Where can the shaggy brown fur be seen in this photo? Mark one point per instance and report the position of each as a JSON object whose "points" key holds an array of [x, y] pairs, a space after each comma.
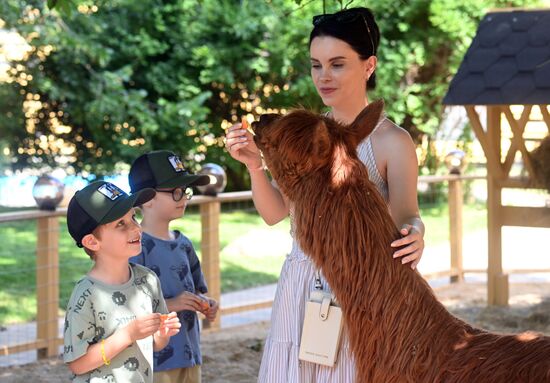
{"points": [[398, 330]]}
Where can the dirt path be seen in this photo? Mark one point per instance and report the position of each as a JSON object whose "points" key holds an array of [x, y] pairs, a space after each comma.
{"points": [[233, 355]]}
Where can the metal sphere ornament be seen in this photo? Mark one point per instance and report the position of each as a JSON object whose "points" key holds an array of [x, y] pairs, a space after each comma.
{"points": [[218, 179], [48, 192], [456, 161]]}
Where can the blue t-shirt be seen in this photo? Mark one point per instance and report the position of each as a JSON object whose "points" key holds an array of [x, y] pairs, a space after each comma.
{"points": [[178, 268]]}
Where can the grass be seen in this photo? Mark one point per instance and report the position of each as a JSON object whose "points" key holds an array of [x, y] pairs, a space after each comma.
{"points": [[436, 221], [243, 270], [238, 270]]}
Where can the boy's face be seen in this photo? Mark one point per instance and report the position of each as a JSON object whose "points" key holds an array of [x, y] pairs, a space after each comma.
{"points": [[164, 207], [120, 238]]}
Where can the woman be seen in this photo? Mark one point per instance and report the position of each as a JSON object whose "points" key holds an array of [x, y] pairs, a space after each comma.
{"points": [[343, 62]]}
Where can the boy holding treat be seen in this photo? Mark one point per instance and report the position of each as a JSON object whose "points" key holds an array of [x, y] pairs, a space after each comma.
{"points": [[113, 321], [171, 255]]}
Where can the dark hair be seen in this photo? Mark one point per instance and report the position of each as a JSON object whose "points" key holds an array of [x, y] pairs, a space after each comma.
{"points": [[355, 26]]}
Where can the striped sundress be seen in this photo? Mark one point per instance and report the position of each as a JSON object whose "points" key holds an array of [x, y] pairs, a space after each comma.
{"points": [[280, 363]]}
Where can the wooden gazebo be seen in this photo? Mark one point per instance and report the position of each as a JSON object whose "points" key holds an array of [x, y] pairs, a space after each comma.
{"points": [[506, 68]]}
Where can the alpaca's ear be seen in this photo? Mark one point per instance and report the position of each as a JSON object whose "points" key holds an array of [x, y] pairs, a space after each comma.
{"points": [[322, 140], [366, 121]]}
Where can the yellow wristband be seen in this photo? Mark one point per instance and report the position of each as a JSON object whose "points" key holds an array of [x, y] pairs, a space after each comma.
{"points": [[105, 360]]}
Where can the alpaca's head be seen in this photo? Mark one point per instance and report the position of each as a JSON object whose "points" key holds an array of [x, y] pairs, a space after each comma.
{"points": [[301, 143], [293, 146]]}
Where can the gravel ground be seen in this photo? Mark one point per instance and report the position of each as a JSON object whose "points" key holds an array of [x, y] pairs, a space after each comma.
{"points": [[233, 355]]}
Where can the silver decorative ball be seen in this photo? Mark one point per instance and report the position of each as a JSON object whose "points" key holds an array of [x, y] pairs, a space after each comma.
{"points": [[48, 192], [218, 179], [456, 161]]}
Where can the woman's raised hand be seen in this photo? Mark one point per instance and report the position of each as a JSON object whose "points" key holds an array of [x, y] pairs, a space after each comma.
{"points": [[240, 144]]}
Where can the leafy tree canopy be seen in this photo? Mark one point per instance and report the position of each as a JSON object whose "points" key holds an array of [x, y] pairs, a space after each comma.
{"points": [[104, 81]]}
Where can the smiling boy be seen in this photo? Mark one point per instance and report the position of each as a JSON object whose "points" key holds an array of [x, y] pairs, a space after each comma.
{"points": [[113, 320]]}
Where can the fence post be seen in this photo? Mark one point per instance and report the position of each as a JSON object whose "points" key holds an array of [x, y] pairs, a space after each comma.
{"points": [[455, 227], [210, 250], [47, 284]]}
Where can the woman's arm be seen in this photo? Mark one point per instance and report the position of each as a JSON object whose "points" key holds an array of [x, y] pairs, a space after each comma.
{"points": [[268, 200], [402, 178]]}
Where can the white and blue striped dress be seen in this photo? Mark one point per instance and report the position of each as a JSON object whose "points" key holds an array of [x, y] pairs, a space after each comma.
{"points": [[280, 363]]}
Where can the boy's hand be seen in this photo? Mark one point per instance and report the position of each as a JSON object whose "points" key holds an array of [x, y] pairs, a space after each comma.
{"points": [[142, 327], [187, 301], [170, 325], [212, 310]]}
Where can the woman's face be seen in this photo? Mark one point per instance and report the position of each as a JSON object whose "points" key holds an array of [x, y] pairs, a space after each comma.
{"points": [[339, 74]]}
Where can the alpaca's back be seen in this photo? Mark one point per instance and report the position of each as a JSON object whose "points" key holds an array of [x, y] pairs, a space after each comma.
{"points": [[349, 238], [393, 319]]}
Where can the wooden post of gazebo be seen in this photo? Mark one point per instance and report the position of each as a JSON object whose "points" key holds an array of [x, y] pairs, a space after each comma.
{"points": [[508, 63]]}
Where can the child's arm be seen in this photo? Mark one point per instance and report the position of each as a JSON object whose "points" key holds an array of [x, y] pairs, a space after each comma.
{"points": [[139, 328], [170, 325], [93, 358]]}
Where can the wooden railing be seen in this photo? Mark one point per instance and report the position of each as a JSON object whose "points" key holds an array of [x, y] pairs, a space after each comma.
{"points": [[47, 259]]}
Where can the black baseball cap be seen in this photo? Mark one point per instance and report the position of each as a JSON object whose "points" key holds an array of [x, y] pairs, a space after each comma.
{"points": [[162, 169], [99, 203]]}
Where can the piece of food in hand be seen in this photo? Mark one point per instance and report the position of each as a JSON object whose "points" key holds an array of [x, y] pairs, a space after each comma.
{"points": [[244, 123], [163, 318], [205, 305]]}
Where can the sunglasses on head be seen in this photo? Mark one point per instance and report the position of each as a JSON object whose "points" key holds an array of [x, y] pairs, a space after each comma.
{"points": [[344, 18]]}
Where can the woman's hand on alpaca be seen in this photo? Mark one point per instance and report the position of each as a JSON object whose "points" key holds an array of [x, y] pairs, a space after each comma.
{"points": [[412, 245], [240, 144]]}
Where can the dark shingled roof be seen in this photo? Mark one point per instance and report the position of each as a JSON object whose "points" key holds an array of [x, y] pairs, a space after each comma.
{"points": [[507, 63]]}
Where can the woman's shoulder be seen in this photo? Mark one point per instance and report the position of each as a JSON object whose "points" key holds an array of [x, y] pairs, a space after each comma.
{"points": [[392, 143], [388, 132]]}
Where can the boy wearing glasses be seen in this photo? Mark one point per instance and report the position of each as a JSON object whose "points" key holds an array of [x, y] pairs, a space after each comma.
{"points": [[171, 256]]}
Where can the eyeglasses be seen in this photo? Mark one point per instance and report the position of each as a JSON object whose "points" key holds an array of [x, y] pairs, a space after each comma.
{"points": [[178, 193], [345, 18]]}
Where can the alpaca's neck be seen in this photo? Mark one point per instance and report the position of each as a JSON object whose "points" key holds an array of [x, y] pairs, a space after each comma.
{"points": [[347, 230], [397, 329], [342, 167]]}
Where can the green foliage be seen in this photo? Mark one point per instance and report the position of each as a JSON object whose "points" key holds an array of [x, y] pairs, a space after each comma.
{"points": [[122, 76], [130, 76]]}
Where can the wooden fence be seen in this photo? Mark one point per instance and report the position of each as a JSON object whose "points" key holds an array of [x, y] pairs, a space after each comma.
{"points": [[48, 341]]}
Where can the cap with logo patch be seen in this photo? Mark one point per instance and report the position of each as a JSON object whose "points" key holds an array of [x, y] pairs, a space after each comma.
{"points": [[162, 169], [99, 203]]}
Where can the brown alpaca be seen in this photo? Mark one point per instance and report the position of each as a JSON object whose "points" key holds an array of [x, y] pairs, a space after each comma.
{"points": [[397, 329]]}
